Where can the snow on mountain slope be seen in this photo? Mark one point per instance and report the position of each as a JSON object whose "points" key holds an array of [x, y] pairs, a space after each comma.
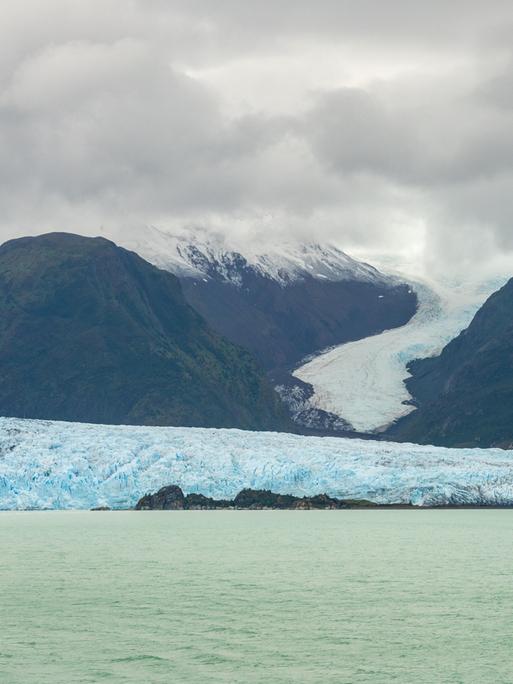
{"points": [[363, 381], [72, 465], [202, 254]]}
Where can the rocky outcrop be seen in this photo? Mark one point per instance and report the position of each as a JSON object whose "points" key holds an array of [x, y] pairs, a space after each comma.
{"points": [[281, 324], [166, 499], [172, 498]]}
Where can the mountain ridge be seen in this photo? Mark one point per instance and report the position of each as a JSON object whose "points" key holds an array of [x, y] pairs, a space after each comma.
{"points": [[281, 300], [92, 332], [201, 254]]}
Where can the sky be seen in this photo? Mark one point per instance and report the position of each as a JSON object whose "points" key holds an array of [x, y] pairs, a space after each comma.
{"points": [[385, 127]]}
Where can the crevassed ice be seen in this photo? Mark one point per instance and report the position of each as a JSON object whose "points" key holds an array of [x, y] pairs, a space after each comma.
{"points": [[363, 381], [69, 465]]}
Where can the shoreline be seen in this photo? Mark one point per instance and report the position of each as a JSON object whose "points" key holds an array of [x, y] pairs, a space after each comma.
{"points": [[375, 507], [171, 497]]}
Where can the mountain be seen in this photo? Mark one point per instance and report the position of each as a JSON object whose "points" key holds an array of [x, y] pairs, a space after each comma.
{"points": [[281, 302], [91, 332], [465, 395]]}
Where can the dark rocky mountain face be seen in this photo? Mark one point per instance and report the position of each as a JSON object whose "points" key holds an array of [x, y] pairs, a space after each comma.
{"points": [[91, 332], [281, 324], [283, 316], [283, 301], [465, 395]]}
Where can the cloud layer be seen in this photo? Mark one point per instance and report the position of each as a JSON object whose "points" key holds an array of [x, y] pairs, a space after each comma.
{"points": [[382, 126]]}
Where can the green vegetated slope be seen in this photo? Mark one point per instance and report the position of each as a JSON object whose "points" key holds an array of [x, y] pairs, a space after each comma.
{"points": [[91, 332]]}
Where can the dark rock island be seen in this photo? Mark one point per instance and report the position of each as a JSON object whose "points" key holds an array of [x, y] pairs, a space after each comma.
{"points": [[171, 498]]}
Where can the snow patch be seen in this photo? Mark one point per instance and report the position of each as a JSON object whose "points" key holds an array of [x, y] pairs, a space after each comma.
{"points": [[203, 254]]}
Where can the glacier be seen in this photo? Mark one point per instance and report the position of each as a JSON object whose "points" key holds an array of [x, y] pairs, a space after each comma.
{"points": [[362, 382], [57, 465]]}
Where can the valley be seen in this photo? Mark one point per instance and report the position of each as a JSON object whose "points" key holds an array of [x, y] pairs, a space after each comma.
{"points": [[363, 382]]}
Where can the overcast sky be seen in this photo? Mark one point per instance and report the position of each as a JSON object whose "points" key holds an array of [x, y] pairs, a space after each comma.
{"points": [[384, 126]]}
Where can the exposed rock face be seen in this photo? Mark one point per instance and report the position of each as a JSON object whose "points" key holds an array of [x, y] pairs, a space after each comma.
{"points": [[172, 498], [169, 498], [296, 396], [91, 332], [251, 498], [285, 305], [281, 301], [282, 323], [465, 395]]}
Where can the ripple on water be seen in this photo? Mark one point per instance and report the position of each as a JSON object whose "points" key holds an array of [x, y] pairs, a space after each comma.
{"points": [[280, 597]]}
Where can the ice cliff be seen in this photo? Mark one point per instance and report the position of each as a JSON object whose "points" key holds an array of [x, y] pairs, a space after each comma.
{"points": [[68, 465]]}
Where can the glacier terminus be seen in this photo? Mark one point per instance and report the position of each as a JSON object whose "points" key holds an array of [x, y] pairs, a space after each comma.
{"points": [[58, 465]]}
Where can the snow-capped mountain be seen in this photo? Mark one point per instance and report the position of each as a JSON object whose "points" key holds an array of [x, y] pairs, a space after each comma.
{"points": [[281, 300], [202, 254]]}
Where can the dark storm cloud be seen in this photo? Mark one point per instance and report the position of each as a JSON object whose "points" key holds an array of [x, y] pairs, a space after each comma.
{"points": [[380, 125]]}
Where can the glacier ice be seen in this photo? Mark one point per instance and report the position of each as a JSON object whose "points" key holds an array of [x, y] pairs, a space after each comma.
{"points": [[56, 465], [363, 381]]}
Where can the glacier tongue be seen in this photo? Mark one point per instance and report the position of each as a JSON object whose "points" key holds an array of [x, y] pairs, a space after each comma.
{"points": [[362, 382], [68, 465]]}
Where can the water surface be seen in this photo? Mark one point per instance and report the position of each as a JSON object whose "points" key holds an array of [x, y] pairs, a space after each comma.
{"points": [[225, 596]]}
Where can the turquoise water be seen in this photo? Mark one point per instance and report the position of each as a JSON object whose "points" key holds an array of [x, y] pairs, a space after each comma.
{"points": [[232, 596]]}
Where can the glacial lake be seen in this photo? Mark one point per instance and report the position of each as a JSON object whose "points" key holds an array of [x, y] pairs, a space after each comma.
{"points": [[267, 596]]}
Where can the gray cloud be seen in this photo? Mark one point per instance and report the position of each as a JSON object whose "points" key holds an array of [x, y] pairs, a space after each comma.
{"points": [[383, 126]]}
